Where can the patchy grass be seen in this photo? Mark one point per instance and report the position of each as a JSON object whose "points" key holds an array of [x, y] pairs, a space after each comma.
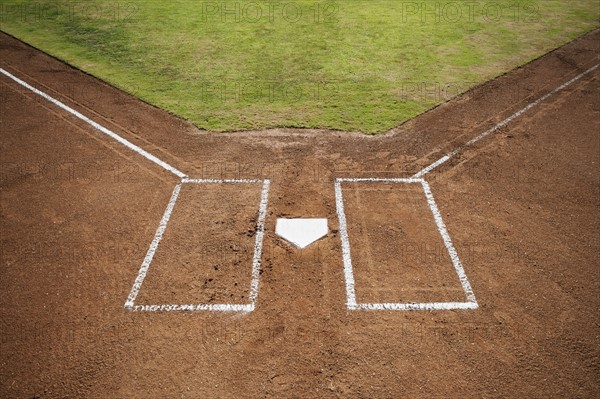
{"points": [[365, 65]]}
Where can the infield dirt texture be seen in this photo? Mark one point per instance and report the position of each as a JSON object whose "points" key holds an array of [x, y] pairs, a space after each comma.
{"points": [[80, 211]]}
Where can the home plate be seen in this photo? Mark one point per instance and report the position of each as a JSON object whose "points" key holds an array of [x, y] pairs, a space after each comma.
{"points": [[301, 232]]}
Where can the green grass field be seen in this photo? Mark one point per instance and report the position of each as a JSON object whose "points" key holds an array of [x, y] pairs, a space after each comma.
{"points": [[365, 65]]}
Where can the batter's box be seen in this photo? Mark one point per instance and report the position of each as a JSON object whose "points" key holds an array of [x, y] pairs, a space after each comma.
{"points": [[398, 237], [209, 252]]}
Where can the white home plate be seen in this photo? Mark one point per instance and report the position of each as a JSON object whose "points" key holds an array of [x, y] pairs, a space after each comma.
{"points": [[301, 232]]}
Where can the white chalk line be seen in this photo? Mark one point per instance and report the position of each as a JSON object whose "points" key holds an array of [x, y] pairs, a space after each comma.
{"points": [[225, 307], [351, 303], [464, 281], [244, 308], [502, 124], [379, 180], [416, 306], [258, 244], [97, 126], [153, 247], [346, 257], [218, 181]]}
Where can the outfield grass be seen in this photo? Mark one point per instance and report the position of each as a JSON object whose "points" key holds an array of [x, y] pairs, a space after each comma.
{"points": [[363, 65]]}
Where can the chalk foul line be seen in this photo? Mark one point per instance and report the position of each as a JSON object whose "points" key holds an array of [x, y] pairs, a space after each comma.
{"points": [[502, 124], [97, 126]]}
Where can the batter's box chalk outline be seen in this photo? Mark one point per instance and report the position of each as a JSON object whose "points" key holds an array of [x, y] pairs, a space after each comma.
{"points": [[258, 245], [351, 303]]}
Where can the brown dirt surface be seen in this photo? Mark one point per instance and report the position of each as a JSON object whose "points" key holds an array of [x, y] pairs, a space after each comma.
{"points": [[79, 211]]}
